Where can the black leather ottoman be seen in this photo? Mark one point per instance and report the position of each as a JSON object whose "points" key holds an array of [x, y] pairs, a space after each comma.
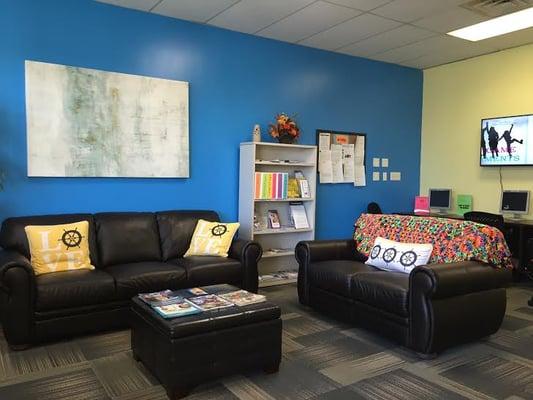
{"points": [[187, 351]]}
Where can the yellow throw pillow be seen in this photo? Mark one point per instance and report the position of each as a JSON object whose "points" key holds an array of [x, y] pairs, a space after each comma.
{"points": [[212, 239], [55, 248]]}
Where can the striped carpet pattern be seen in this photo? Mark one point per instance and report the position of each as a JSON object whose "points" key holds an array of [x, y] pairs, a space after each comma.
{"points": [[323, 359]]}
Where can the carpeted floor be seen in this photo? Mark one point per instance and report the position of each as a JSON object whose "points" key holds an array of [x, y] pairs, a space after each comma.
{"points": [[322, 360]]}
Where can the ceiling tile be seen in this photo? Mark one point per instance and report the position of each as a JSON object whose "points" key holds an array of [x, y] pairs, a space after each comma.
{"points": [[444, 46], [192, 10], [143, 5], [411, 10], [397, 37], [351, 31], [308, 21], [253, 15], [514, 39], [365, 5], [447, 21]]}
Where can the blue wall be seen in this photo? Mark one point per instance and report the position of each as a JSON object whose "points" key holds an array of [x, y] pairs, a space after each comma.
{"points": [[236, 80]]}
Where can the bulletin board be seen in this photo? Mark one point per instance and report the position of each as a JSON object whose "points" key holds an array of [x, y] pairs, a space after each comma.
{"points": [[341, 157]]}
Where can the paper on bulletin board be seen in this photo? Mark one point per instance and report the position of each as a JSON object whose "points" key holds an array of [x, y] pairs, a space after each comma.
{"points": [[348, 163], [336, 163], [325, 167], [359, 162], [323, 141]]}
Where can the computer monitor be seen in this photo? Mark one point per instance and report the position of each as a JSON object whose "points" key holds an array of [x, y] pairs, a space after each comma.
{"points": [[440, 199], [515, 201]]}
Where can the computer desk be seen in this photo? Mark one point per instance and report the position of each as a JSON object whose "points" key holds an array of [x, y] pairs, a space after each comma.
{"points": [[517, 233]]}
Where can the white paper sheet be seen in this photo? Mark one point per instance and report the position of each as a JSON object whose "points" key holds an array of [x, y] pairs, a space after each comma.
{"points": [[360, 176], [336, 163], [323, 141], [360, 150], [348, 162], [375, 162], [385, 162], [384, 176], [375, 176], [325, 167]]}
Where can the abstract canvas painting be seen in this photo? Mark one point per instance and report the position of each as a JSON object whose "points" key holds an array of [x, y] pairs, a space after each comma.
{"points": [[89, 123]]}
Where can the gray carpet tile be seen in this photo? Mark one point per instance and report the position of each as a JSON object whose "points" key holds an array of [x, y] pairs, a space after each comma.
{"points": [[77, 385], [323, 359]]}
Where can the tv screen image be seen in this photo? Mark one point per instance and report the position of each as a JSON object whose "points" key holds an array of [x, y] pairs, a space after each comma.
{"points": [[507, 141]]}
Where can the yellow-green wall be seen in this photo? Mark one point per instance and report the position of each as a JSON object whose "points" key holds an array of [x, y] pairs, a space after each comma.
{"points": [[456, 97]]}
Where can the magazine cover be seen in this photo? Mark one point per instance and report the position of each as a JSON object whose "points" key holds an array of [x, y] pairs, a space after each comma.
{"points": [[159, 298], [243, 297], [179, 308], [210, 302], [197, 291]]}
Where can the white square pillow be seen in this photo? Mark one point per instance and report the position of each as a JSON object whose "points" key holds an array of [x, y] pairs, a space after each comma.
{"points": [[389, 255]]}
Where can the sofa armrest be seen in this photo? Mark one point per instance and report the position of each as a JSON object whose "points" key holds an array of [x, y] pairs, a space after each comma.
{"points": [[17, 297], [451, 304], [310, 251], [248, 253], [447, 280]]}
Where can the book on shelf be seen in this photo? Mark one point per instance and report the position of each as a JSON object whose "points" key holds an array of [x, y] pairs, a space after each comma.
{"points": [[293, 188], [159, 298], [243, 297], [270, 185], [179, 308], [303, 184], [210, 302], [298, 215]]}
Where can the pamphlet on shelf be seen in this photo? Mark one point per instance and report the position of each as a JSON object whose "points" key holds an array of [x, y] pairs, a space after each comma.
{"points": [[298, 215], [273, 219], [243, 297], [305, 191], [210, 302], [178, 308]]}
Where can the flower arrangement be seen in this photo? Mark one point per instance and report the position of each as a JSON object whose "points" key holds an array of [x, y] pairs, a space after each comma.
{"points": [[284, 129]]}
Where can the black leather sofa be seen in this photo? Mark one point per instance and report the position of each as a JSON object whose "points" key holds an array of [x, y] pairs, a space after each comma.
{"points": [[132, 253], [433, 308]]}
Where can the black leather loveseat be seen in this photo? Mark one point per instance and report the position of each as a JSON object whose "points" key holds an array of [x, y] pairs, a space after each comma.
{"points": [[132, 253], [435, 307]]}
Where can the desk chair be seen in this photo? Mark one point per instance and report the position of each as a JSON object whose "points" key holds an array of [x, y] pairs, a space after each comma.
{"points": [[373, 208], [495, 220]]}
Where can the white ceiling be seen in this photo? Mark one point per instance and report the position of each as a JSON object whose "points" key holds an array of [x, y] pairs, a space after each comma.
{"points": [[406, 32]]}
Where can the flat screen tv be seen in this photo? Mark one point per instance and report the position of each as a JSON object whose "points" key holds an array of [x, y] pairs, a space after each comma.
{"points": [[507, 141]]}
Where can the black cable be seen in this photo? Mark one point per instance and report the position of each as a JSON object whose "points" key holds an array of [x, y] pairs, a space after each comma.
{"points": [[501, 181]]}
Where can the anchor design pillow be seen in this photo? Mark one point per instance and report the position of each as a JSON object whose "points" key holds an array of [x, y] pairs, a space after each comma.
{"points": [[212, 239], [55, 248], [389, 255]]}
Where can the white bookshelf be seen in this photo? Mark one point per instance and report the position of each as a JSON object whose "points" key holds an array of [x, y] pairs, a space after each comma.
{"points": [[263, 157]]}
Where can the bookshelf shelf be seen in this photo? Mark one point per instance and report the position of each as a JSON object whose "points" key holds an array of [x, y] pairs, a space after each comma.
{"points": [[281, 231], [271, 254], [286, 200], [257, 157], [284, 164]]}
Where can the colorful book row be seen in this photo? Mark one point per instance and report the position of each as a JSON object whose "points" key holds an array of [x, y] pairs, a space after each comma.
{"points": [[271, 185]]}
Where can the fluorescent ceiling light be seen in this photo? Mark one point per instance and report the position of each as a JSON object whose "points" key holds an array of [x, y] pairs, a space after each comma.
{"points": [[496, 26]]}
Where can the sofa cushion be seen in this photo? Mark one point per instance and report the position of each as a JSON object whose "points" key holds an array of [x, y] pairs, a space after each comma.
{"points": [[127, 238], [176, 229], [336, 275], [13, 235], [68, 289], [209, 270], [387, 291], [145, 277]]}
